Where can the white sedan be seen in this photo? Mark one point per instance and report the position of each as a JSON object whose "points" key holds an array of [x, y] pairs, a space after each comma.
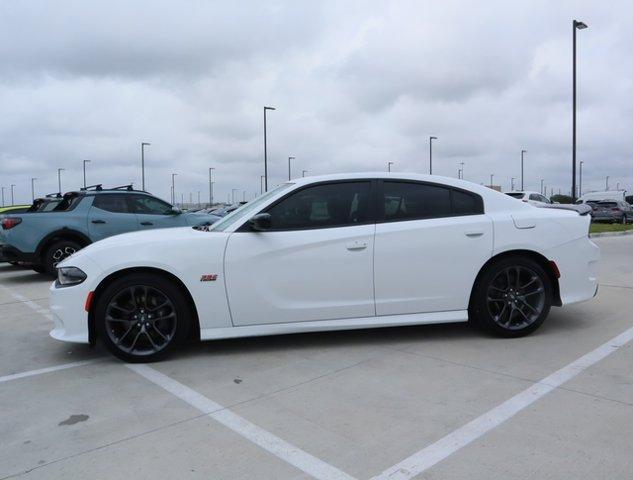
{"points": [[330, 253]]}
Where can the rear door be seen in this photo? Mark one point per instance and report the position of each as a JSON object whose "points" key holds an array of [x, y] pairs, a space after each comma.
{"points": [[152, 212], [431, 241], [110, 215]]}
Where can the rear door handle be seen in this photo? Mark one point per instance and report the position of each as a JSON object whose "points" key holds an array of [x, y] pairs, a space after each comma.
{"points": [[357, 245], [474, 233], [147, 223], [98, 221]]}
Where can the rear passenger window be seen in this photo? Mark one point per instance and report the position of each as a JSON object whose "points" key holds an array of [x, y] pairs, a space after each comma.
{"points": [[111, 203], [412, 201]]}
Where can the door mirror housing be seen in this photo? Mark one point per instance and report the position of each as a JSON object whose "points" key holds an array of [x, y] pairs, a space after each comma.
{"points": [[175, 211], [260, 222]]}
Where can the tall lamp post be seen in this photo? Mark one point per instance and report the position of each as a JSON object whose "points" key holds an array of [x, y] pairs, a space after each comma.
{"points": [[266, 150], [542, 180], [12, 187], [491, 177], [389, 164], [303, 173], [512, 184], [210, 186], [289, 158], [431, 154], [3, 196], [261, 184], [173, 188], [580, 179], [233, 190], [33, 189], [84, 166], [606, 187], [462, 170], [59, 179], [143, 145], [576, 25], [522, 152]]}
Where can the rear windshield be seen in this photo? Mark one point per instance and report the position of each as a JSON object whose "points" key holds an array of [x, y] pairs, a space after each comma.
{"points": [[515, 194], [607, 204]]}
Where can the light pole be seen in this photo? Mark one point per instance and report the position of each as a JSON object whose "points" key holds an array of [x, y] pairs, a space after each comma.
{"points": [[617, 186], [210, 186], [289, 158], [12, 187], [198, 198], [462, 164], [84, 165], [261, 184], [580, 180], [173, 188], [542, 180], [389, 164], [512, 184], [59, 178], [266, 150], [431, 154], [606, 186], [33, 189], [522, 152], [459, 173], [143, 145], [303, 173], [576, 25], [3, 196], [233, 190], [491, 177]]}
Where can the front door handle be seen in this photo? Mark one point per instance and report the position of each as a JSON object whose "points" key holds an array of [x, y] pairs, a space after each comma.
{"points": [[357, 245], [474, 233], [147, 223], [98, 221]]}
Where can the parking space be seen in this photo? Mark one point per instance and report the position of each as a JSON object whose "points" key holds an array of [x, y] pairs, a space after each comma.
{"points": [[432, 402]]}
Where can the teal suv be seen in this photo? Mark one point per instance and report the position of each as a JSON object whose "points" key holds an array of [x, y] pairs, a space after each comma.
{"points": [[43, 239]]}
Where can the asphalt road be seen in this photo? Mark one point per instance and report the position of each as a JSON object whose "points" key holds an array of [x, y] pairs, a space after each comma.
{"points": [[431, 402]]}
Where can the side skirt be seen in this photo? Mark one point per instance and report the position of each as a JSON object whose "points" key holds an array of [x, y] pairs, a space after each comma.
{"points": [[331, 325]]}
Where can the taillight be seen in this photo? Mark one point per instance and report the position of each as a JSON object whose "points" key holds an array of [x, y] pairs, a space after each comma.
{"points": [[615, 209], [10, 222]]}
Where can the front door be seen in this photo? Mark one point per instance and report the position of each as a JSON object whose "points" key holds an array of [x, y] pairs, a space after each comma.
{"points": [[314, 263], [109, 215], [431, 241], [152, 212]]}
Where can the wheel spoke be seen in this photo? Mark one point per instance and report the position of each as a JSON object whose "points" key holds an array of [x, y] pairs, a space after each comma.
{"points": [[151, 340], [125, 334], [523, 302], [135, 340], [159, 332], [538, 290]]}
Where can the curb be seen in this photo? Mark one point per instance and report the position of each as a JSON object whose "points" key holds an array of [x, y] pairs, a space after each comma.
{"points": [[611, 234]]}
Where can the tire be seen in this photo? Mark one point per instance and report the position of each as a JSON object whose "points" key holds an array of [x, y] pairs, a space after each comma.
{"points": [[129, 303], [510, 305], [57, 252]]}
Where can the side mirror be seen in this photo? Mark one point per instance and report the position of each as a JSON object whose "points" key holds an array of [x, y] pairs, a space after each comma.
{"points": [[175, 211], [260, 222]]}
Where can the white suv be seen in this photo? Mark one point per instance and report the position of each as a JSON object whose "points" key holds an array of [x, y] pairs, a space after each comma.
{"points": [[534, 198]]}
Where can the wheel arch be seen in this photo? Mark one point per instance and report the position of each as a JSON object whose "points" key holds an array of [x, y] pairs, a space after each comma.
{"points": [[537, 257], [61, 234], [194, 332]]}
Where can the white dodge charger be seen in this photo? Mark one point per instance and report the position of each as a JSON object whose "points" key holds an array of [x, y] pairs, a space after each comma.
{"points": [[329, 253]]}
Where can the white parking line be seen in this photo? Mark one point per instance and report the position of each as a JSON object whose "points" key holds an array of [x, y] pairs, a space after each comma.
{"points": [[433, 454], [39, 371], [29, 303], [285, 451]]}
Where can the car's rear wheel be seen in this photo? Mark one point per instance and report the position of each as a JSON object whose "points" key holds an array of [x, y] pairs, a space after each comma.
{"points": [[512, 297], [57, 252], [142, 317]]}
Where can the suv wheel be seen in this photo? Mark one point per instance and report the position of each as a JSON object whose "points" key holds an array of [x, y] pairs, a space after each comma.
{"points": [[57, 252], [512, 298]]}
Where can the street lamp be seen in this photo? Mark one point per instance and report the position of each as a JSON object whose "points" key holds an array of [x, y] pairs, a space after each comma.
{"points": [[59, 178], [303, 173], [580, 180], [173, 188], [606, 186], [266, 151], [33, 188], [12, 187], [459, 173], [210, 187], [431, 154], [261, 184], [389, 164], [84, 165], [542, 188], [491, 177], [233, 190], [576, 25], [512, 184], [3, 196], [462, 170], [143, 145], [522, 152], [289, 158]]}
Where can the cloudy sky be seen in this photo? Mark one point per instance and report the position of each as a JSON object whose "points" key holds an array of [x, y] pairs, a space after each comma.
{"points": [[355, 84]]}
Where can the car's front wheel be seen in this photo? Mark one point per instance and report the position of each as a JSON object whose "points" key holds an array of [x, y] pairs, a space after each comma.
{"points": [[142, 317], [512, 297]]}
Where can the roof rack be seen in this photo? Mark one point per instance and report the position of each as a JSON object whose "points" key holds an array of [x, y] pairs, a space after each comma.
{"points": [[98, 187], [54, 195], [128, 187]]}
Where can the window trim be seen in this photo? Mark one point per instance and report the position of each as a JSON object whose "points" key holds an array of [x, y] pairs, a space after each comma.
{"points": [[380, 212], [371, 214]]}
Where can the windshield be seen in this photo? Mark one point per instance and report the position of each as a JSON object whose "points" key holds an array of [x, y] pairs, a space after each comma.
{"points": [[515, 194], [247, 210]]}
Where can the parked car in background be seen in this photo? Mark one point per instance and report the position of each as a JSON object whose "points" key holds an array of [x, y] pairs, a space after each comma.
{"points": [[45, 204], [533, 198], [14, 209], [224, 211], [612, 211], [330, 253], [43, 239], [612, 195]]}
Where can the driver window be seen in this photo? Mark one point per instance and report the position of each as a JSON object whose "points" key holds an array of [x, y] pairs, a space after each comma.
{"points": [[150, 205], [323, 206]]}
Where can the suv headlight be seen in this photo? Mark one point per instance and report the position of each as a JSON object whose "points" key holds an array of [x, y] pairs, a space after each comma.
{"points": [[68, 276]]}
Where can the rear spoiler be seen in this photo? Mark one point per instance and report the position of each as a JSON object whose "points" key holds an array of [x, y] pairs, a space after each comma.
{"points": [[582, 209]]}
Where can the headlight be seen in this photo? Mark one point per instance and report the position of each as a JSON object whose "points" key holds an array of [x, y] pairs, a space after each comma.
{"points": [[68, 276]]}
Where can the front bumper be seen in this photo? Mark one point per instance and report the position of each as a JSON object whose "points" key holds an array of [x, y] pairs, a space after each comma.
{"points": [[69, 316]]}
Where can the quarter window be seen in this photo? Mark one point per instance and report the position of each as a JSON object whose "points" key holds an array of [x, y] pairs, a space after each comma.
{"points": [[111, 202], [323, 206]]}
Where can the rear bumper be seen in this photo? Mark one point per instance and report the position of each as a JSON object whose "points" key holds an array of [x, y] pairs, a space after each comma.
{"points": [[12, 254]]}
